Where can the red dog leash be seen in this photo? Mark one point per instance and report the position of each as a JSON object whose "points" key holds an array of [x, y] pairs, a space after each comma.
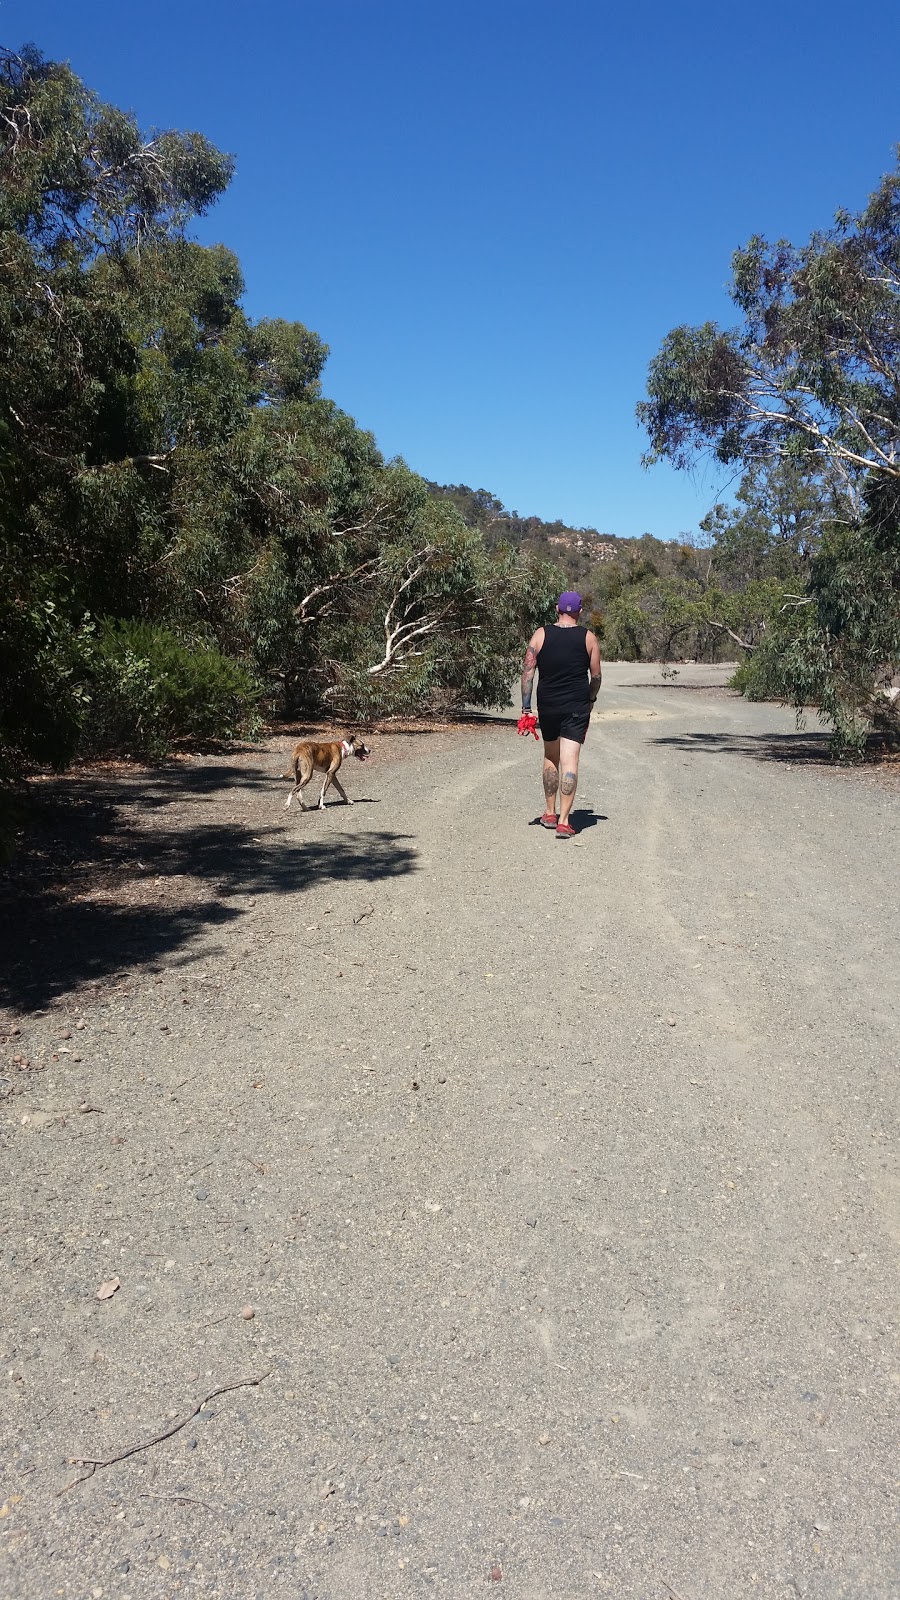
{"points": [[527, 724]]}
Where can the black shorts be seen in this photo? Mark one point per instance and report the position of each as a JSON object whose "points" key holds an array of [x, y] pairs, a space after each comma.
{"points": [[564, 724]]}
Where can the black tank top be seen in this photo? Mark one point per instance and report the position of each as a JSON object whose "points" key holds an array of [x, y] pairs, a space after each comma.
{"points": [[563, 663]]}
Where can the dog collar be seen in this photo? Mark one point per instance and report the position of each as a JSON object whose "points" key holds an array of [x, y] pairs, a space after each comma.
{"points": [[347, 748]]}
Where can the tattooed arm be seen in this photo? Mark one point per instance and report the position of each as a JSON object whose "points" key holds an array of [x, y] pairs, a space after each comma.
{"points": [[529, 667], [594, 666]]}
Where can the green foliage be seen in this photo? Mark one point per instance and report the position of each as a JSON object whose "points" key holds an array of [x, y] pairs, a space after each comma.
{"points": [[599, 565], [622, 630], [847, 653], [148, 690], [441, 620], [77, 175], [173, 468], [696, 386], [706, 601], [807, 390], [42, 693], [774, 527], [811, 373]]}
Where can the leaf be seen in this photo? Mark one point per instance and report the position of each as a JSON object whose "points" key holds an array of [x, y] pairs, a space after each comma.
{"points": [[107, 1289]]}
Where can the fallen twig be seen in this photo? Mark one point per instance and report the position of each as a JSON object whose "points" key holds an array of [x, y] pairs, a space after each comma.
{"points": [[367, 913], [147, 1444], [180, 1500]]}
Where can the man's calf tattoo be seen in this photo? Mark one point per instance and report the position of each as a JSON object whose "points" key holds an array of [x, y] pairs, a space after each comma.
{"points": [[569, 781], [551, 782]]}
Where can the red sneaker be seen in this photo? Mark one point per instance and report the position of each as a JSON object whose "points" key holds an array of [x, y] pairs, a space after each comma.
{"points": [[549, 819], [564, 831]]}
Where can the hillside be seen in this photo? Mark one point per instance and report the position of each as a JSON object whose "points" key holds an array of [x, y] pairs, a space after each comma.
{"points": [[594, 563]]}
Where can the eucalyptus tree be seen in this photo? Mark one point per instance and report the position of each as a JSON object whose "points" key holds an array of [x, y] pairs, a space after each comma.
{"points": [[180, 502], [83, 198], [811, 376]]}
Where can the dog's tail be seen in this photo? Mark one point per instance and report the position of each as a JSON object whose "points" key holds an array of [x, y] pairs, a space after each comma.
{"points": [[287, 774]]}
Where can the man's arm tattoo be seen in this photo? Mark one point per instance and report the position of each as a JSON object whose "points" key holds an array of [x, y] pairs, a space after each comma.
{"points": [[594, 689], [569, 782], [528, 671]]}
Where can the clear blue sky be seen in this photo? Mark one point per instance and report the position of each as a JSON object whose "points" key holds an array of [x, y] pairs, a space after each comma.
{"points": [[494, 210]]}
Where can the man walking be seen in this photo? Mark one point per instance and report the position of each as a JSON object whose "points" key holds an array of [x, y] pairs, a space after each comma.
{"points": [[566, 657]]}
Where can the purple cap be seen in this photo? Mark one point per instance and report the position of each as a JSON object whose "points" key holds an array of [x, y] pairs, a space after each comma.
{"points": [[569, 602]]}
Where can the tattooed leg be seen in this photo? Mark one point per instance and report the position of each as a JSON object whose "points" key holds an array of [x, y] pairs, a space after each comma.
{"points": [[570, 750], [551, 773]]}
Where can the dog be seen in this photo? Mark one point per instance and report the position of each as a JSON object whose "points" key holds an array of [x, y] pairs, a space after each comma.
{"points": [[311, 756]]}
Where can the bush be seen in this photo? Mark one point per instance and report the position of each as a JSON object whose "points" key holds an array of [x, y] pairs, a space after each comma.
{"points": [[42, 698], [41, 692], [149, 689], [623, 630], [838, 649], [762, 674]]}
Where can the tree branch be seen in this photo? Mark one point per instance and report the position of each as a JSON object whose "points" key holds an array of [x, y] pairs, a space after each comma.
{"points": [[723, 627], [332, 585]]}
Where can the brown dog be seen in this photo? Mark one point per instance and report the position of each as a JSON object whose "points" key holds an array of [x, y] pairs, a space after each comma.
{"points": [[310, 756]]}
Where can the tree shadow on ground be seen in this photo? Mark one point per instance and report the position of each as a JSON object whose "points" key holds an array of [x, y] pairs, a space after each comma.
{"points": [[106, 881], [127, 785], [790, 749]]}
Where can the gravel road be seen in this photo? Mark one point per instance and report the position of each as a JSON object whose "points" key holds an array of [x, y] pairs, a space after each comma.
{"points": [[559, 1177]]}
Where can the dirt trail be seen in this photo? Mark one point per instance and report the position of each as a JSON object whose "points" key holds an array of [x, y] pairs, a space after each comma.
{"points": [[560, 1176]]}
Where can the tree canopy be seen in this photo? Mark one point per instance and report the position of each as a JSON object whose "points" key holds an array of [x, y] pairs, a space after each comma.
{"points": [[811, 372], [811, 378], [177, 495]]}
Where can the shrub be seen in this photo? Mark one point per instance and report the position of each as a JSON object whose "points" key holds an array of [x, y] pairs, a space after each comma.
{"points": [[838, 649], [762, 673], [42, 698], [149, 689], [623, 630], [41, 695]]}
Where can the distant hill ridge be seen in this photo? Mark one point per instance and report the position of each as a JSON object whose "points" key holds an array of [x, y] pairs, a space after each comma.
{"points": [[579, 550]]}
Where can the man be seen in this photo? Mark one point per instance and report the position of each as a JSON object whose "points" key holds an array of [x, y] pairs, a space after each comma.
{"points": [[566, 657]]}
